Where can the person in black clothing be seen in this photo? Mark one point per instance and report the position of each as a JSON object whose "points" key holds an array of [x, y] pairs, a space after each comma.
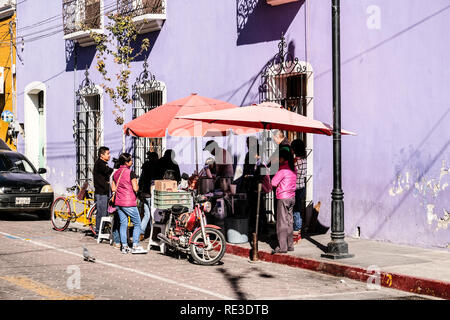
{"points": [[101, 184], [149, 172], [148, 175], [251, 177], [166, 163]]}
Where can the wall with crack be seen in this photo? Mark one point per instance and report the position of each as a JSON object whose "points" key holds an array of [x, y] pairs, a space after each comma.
{"points": [[395, 75]]}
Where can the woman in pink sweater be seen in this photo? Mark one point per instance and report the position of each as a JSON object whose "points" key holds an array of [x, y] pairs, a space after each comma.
{"points": [[285, 180]]}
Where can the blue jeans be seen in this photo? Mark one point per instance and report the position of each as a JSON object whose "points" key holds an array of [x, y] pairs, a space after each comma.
{"points": [[300, 196], [147, 216], [116, 226], [101, 201], [133, 213]]}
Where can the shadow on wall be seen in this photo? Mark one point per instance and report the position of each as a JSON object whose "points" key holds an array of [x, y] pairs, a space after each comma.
{"points": [[82, 56], [152, 36], [259, 22], [288, 56]]}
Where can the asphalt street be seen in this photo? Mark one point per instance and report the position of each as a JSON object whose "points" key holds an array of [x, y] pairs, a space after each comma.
{"points": [[39, 263]]}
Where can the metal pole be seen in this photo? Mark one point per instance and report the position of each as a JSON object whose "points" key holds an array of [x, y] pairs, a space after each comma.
{"points": [[254, 256], [337, 248], [196, 154]]}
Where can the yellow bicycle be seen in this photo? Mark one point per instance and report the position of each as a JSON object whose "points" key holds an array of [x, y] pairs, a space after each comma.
{"points": [[74, 207]]}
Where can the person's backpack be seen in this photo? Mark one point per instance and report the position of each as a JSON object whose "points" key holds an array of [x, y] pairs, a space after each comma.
{"points": [[169, 175]]}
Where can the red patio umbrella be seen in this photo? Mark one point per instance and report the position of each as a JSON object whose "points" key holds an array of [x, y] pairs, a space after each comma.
{"points": [[267, 115], [154, 123]]}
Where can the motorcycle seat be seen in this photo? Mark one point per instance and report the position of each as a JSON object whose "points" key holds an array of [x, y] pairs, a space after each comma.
{"points": [[178, 209]]}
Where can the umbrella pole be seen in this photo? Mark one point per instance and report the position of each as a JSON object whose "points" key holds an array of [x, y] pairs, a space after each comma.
{"points": [[196, 155], [254, 256], [255, 234]]}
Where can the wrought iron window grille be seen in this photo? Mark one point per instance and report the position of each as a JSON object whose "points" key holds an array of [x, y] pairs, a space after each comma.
{"points": [[147, 93], [137, 8], [81, 15], [88, 128], [284, 80]]}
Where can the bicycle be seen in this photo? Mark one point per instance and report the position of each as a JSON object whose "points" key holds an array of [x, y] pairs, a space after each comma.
{"points": [[64, 209]]}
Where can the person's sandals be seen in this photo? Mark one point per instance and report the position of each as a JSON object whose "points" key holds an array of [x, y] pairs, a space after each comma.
{"points": [[116, 245]]}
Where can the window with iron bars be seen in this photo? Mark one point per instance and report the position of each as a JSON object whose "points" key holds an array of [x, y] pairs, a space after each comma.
{"points": [[79, 15], [290, 90], [137, 8], [146, 102], [89, 138]]}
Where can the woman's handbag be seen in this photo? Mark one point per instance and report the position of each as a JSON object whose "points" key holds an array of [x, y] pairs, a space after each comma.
{"points": [[112, 199]]}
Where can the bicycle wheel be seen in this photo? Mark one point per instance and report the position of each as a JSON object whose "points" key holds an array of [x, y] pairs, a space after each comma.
{"points": [[91, 218], [60, 214], [212, 255]]}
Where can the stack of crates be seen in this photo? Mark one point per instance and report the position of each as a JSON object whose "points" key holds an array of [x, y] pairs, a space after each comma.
{"points": [[166, 199]]}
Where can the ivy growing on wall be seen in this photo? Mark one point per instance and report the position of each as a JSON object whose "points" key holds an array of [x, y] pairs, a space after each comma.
{"points": [[117, 43]]}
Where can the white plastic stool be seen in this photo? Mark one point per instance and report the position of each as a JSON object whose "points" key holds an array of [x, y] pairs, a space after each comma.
{"points": [[153, 240], [106, 236]]}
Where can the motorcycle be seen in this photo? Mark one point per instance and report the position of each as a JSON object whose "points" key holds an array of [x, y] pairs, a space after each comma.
{"points": [[189, 233]]}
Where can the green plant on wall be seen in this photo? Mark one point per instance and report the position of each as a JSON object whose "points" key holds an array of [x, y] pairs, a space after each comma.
{"points": [[117, 43]]}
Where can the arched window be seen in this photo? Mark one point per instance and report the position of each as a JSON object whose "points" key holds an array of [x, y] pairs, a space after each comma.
{"points": [[88, 128], [148, 94], [289, 82]]}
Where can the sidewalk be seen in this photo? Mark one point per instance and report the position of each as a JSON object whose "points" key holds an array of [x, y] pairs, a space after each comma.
{"points": [[411, 269]]}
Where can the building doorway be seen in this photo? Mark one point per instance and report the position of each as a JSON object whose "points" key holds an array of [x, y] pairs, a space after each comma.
{"points": [[35, 124]]}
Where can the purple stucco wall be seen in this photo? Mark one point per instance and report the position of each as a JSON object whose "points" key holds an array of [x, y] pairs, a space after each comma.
{"points": [[394, 95]]}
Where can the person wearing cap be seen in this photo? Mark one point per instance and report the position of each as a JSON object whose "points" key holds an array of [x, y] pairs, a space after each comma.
{"points": [[223, 159], [209, 169]]}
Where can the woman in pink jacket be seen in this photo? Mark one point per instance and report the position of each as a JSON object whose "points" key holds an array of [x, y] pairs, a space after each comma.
{"points": [[285, 180]]}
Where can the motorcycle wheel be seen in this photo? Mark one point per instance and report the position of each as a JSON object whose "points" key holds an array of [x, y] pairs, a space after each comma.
{"points": [[213, 255]]}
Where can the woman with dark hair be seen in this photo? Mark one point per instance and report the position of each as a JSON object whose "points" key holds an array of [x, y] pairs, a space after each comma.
{"points": [[298, 146], [285, 182], [125, 186]]}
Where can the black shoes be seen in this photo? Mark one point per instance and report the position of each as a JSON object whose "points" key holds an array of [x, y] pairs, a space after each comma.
{"points": [[278, 250]]}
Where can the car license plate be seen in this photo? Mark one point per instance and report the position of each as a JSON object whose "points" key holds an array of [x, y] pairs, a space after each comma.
{"points": [[22, 201]]}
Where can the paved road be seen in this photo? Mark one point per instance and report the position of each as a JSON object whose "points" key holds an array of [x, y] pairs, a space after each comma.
{"points": [[37, 262]]}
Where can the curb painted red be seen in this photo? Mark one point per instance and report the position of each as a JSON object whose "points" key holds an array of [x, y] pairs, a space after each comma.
{"points": [[411, 284]]}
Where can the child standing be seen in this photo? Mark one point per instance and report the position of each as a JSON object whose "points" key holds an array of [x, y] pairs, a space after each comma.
{"points": [[285, 182]]}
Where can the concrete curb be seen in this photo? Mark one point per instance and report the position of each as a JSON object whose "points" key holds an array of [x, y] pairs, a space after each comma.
{"points": [[411, 284]]}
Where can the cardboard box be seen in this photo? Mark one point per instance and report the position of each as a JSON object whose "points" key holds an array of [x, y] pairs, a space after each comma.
{"points": [[166, 185]]}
